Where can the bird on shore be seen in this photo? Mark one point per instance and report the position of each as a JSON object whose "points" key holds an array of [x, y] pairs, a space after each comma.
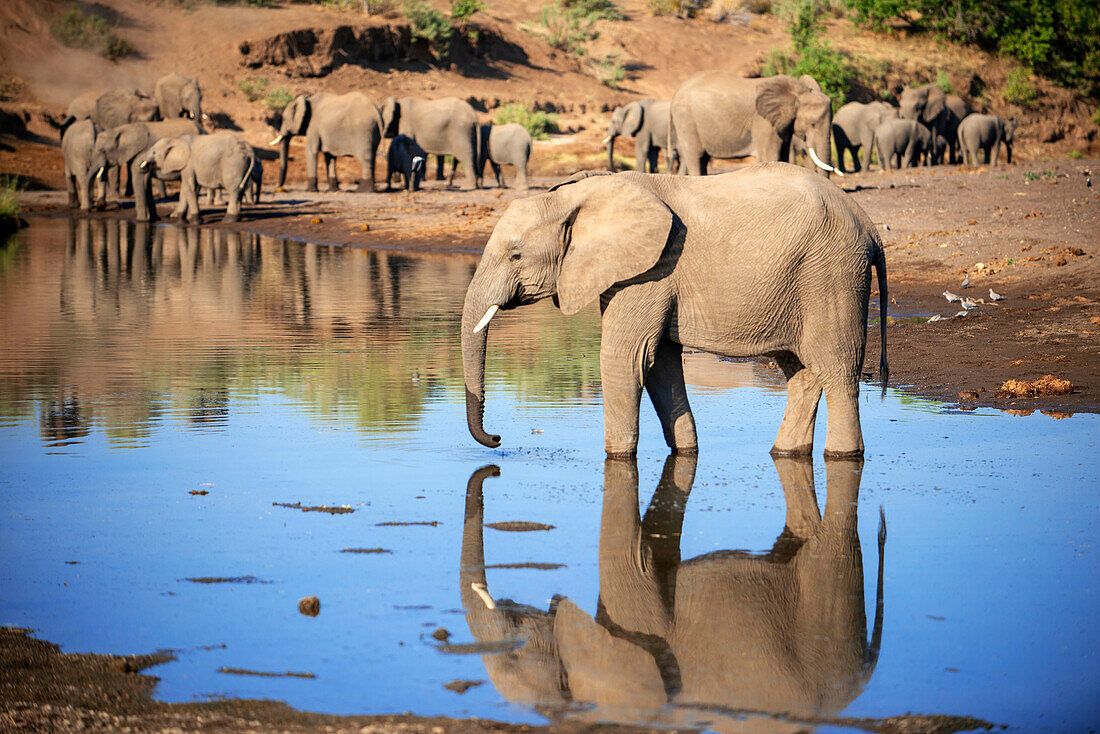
{"points": [[969, 304], [964, 312], [937, 317], [994, 296], [966, 282], [951, 297]]}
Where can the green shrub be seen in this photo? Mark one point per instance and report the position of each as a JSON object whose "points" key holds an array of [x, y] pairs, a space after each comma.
{"points": [[569, 24], [90, 32], [944, 82], [662, 7], [811, 54], [1075, 155], [1096, 117], [539, 124], [10, 186], [609, 71], [429, 24], [1019, 90], [595, 9], [253, 88], [377, 7], [278, 98], [463, 9]]}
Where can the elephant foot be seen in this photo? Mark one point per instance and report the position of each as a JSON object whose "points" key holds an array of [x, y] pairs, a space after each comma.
{"points": [[623, 455], [311, 184], [230, 218], [193, 219], [365, 187], [797, 451], [333, 185], [854, 455], [685, 450]]}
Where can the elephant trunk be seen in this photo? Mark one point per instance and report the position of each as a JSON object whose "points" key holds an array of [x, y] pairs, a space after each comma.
{"points": [[819, 144], [475, 310], [610, 140], [474, 591], [284, 155]]}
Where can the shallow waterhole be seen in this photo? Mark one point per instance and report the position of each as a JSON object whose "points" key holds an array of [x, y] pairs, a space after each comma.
{"points": [[172, 399]]}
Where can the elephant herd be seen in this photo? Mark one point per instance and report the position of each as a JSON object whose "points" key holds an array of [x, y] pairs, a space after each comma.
{"points": [[716, 114]]}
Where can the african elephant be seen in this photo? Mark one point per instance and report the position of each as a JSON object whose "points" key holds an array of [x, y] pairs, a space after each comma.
{"points": [[111, 108], [407, 158], [938, 111], [222, 159], [505, 145], [120, 146], [986, 133], [763, 642], [854, 127], [769, 260], [335, 125], [446, 126], [178, 96], [77, 144], [717, 114], [646, 121], [902, 143]]}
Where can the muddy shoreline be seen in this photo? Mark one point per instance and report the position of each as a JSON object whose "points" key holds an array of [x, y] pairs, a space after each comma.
{"points": [[1028, 232]]}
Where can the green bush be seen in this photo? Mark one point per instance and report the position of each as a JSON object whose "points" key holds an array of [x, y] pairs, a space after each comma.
{"points": [[595, 9], [811, 54], [431, 25], [90, 32], [1019, 90], [539, 124], [568, 25], [10, 186], [663, 7], [463, 9], [609, 71], [944, 82], [278, 99], [1075, 155], [253, 88], [1096, 117]]}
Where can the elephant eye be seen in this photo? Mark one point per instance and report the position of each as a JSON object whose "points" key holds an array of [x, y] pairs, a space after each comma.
{"points": [[514, 256]]}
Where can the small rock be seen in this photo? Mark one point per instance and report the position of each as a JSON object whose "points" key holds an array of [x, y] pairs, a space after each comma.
{"points": [[461, 686], [316, 220], [310, 606], [972, 221], [968, 395], [442, 634], [364, 227]]}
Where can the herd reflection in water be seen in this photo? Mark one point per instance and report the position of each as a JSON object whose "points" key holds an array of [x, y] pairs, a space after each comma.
{"points": [[730, 640]]}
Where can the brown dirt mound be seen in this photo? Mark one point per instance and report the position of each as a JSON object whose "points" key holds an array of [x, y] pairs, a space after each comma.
{"points": [[1045, 386]]}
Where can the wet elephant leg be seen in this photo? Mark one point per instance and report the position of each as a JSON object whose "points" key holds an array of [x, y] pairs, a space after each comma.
{"points": [[667, 391], [796, 432], [796, 474], [330, 170], [843, 436]]}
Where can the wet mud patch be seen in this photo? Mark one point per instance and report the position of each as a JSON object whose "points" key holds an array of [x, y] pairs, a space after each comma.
{"points": [[342, 510], [480, 648], [519, 526], [265, 673], [225, 580], [461, 686], [531, 564], [367, 551], [394, 524]]}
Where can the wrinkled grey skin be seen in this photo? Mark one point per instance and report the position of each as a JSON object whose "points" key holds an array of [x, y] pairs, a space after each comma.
{"points": [[941, 113], [505, 145], [754, 640], [335, 125], [222, 159], [77, 144], [121, 146], [111, 108], [646, 121], [767, 260], [985, 133], [854, 127], [903, 144], [447, 126], [718, 114], [408, 159], [178, 96]]}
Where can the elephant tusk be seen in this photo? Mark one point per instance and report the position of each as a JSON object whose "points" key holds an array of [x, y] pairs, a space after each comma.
{"points": [[821, 164], [276, 140], [481, 591], [485, 319], [99, 173], [606, 140], [144, 165]]}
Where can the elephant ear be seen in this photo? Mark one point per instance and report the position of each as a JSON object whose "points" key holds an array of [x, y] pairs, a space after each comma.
{"points": [[176, 155], [810, 84], [776, 101], [299, 113], [391, 116], [936, 104], [578, 176], [632, 122], [614, 229]]}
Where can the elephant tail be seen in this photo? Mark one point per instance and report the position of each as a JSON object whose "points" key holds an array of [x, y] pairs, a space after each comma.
{"points": [[875, 643], [252, 164], [883, 304]]}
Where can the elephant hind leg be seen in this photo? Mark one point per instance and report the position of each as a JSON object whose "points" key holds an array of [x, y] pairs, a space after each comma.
{"points": [[843, 437], [796, 432], [665, 384]]}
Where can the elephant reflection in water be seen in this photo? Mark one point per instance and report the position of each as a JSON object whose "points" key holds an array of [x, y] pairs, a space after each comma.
{"points": [[729, 640]]}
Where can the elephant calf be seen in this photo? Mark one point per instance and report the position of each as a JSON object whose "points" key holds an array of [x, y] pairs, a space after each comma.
{"points": [[986, 133], [902, 143], [769, 260], [77, 144], [505, 145], [406, 158], [854, 127], [221, 160]]}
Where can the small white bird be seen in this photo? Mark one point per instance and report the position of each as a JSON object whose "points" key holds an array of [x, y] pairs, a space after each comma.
{"points": [[969, 304], [951, 297], [966, 282], [994, 296], [964, 312], [937, 317]]}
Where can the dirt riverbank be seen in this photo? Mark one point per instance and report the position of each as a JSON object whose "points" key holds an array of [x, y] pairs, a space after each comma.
{"points": [[1028, 232]]}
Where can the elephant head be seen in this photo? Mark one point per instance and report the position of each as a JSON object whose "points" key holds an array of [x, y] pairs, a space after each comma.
{"points": [[295, 121], [391, 117], [798, 109], [1008, 136], [105, 151], [754, 642], [572, 243], [924, 104], [625, 120], [167, 157], [191, 100]]}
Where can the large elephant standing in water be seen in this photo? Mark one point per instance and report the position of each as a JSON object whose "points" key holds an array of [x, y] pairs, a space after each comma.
{"points": [[335, 125], [742, 641], [718, 114], [769, 260]]}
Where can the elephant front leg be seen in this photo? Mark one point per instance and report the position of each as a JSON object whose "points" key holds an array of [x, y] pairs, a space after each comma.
{"points": [[667, 391], [313, 148], [189, 196], [796, 433]]}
